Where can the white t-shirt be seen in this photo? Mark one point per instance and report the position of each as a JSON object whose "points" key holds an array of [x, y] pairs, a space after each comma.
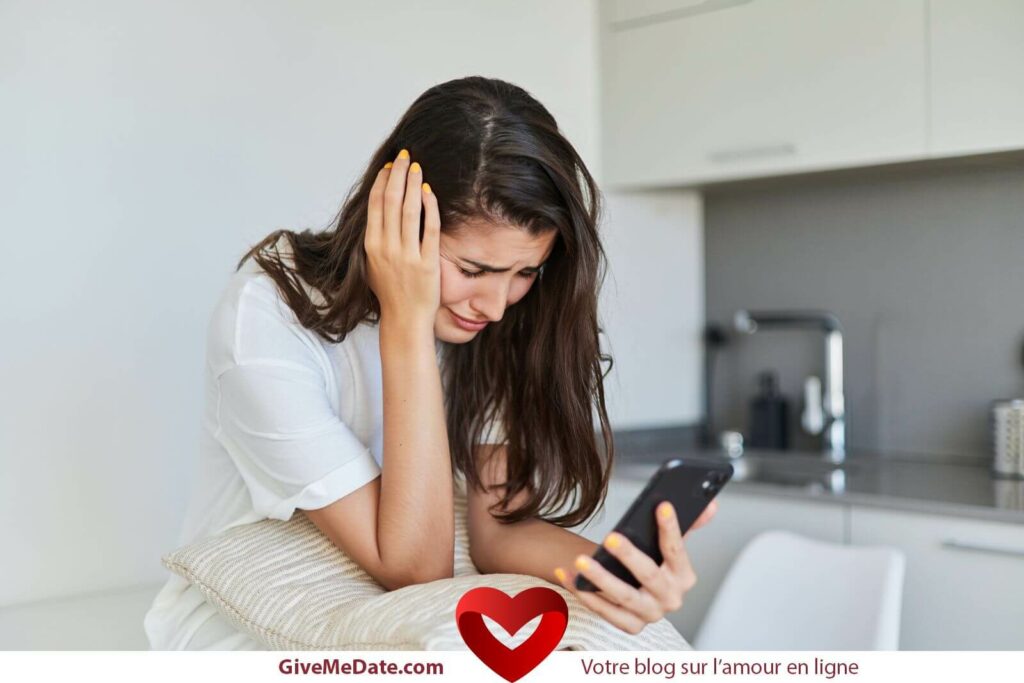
{"points": [[291, 421]]}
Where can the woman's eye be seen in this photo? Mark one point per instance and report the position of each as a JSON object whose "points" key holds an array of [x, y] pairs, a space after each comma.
{"points": [[524, 275]]}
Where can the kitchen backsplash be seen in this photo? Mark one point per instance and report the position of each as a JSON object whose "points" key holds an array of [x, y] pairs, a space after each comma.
{"points": [[924, 268]]}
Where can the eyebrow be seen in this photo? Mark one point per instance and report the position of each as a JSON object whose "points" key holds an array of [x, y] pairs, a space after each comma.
{"points": [[491, 269]]}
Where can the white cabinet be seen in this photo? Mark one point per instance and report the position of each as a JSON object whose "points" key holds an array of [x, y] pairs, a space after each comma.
{"points": [[722, 89], [977, 75], [964, 585]]}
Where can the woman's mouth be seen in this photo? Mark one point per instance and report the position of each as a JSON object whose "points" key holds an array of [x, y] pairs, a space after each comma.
{"points": [[467, 324]]}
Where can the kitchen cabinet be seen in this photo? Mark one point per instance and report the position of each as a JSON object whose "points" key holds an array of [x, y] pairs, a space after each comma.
{"points": [[964, 581], [741, 516], [964, 584], [722, 89], [976, 75]]}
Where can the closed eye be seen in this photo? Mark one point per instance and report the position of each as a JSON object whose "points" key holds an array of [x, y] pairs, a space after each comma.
{"points": [[527, 274]]}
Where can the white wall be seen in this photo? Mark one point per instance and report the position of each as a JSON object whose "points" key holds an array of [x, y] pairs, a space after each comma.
{"points": [[144, 146]]}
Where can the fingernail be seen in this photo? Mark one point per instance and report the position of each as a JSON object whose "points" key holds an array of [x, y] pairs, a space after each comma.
{"points": [[582, 564], [560, 574], [404, 154], [612, 541], [388, 165], [426, 188], [415, 168], [665, 510]]}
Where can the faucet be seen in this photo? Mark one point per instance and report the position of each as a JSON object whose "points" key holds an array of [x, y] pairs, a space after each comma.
{"points": [[824, 406]]}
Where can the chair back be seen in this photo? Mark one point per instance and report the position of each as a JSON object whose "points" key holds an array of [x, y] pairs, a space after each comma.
{"points": [[789, 592]]}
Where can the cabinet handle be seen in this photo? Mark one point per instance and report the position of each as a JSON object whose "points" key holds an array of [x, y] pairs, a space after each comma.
{"points": [[742, 153], [953, 544]]}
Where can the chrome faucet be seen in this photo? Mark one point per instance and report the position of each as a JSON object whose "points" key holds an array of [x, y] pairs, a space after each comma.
{"points": [[824, 405]]}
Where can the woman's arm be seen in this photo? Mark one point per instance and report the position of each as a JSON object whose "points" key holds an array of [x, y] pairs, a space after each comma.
{"points": [[416, 527], [396, 527], [411, 535], [531, 546], [415, 524]]}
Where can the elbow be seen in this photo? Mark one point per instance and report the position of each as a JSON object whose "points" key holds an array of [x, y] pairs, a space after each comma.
{"points": [[478, 552], [480, 562], [413, 570], [443, 568], [418, 575]]}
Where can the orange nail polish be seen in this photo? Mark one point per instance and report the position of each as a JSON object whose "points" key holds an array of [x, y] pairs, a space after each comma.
{"points": [[560, 574], [582, 564], [612, 541], [404, 154], [388, 165], [665, 510], [415, 168], [426, 188]]}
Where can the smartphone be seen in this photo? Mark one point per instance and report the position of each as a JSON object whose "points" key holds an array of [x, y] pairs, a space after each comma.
{"points": [[689, 484]]}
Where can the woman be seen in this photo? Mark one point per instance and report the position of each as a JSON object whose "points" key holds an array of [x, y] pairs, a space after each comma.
{"points": [[439, 329]]}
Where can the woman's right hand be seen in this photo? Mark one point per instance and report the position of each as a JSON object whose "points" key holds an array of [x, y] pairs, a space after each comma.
{"points": [[403, 273], [662, 587]]}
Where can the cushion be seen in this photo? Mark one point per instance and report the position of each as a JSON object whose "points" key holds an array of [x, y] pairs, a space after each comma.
{"points": [[291, 588]]}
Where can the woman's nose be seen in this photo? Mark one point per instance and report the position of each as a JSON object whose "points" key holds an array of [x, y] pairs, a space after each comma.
{"points": [[491, 301]]}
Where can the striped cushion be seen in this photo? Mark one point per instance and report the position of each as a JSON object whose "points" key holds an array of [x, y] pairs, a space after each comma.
{"points": [[287, 585]]}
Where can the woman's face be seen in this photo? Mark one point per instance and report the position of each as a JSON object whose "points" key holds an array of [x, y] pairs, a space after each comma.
{"points": [[469, 290]]}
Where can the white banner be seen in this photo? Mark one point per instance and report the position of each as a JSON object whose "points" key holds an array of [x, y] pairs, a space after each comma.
{"points": [[564, 667]]}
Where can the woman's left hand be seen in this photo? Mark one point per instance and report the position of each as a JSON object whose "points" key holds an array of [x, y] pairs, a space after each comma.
{"points": [[662, 588]]}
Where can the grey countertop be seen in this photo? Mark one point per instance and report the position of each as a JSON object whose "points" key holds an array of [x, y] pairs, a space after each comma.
{"points": [[953, 486]]}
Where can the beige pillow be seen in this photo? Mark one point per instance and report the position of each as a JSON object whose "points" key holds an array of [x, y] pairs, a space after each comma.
{"points": [[288, 586]]}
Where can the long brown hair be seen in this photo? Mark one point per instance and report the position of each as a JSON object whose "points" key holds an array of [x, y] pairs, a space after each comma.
{"points": [[491, 152]]}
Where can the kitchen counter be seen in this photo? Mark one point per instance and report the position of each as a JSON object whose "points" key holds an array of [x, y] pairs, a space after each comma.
{"points": [[962, 487]]}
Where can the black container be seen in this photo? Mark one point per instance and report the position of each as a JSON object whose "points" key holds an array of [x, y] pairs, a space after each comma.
{"points": [[769, 415]]}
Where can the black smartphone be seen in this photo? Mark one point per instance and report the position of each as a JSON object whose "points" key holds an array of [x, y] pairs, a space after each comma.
{"points": [[689, 484]]}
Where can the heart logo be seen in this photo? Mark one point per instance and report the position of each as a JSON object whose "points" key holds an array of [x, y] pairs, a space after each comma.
{"points": [[512, 613]]}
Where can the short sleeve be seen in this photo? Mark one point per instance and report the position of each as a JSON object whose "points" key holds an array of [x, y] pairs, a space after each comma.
{"points": [[292, 449]]}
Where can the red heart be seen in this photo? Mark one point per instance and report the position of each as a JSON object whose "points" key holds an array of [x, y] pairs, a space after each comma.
{"points": [[512, 614]]}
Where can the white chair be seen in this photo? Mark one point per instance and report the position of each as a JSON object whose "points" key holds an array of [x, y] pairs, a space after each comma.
{"points": [[788, 592]]}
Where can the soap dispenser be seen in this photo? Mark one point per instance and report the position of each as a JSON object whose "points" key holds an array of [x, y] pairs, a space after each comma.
{"points": [[769, 415]]}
